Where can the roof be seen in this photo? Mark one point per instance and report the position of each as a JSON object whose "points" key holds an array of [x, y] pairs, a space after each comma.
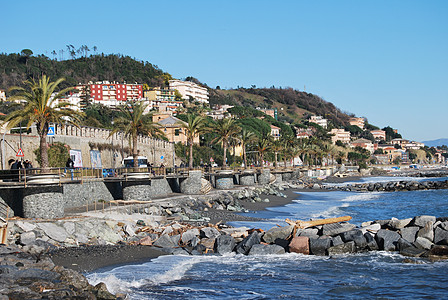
{"points": [[362, 141], [170, 121]]}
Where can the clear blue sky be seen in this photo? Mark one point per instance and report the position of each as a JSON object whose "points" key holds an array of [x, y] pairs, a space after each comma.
{"points": [[385, 60]]}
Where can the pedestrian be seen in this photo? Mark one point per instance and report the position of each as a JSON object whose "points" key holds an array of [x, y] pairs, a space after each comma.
{"points": [[15, 165], [27, 164], [70, 165]]}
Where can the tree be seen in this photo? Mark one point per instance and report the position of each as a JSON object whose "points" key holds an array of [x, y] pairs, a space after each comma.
{"points": [[246, 137], [42, 108], [134, 123], [225, 129], [193, 127], [263, 145], [277, 146]]}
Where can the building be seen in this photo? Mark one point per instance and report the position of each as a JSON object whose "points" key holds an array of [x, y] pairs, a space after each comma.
{"points": [[340, 135], [360, 122], [305, 133], [172, 128], [219, 112], [160, 94], [275, 132], [113, 94], [413, 145], [400, 142], [379, 135], [319, 120], [365, 144], [2, 96], [190, 89], [269, 112]]}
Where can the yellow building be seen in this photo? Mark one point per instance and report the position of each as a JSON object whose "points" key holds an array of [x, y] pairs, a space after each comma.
{"points": [[172, 128]]}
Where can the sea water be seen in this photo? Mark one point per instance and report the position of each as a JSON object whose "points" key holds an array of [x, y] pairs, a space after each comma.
{"points": [[379, 274]]}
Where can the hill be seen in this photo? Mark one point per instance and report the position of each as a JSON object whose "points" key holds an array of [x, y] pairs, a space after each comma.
{"points": [[435, 143], [16, 68]]}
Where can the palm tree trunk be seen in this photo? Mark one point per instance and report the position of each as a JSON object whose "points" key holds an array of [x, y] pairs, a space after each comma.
{"points": [[190, 164], [244, 156], [134, 152], [44, 151], [224, 163], [276, 157]]}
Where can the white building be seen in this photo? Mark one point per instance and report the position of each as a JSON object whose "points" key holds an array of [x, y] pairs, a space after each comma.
{"points": [[340, 135], [319, 120], [190, 89], [2, 96]]}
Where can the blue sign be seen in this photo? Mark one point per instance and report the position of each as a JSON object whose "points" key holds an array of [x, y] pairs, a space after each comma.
{"points": [[161, 157], [50, 131]]}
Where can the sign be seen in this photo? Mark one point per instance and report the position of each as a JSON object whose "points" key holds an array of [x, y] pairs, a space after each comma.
{"points": [[76, 156], [211, 159], [50, 131], [161, 157], [20, 153]]}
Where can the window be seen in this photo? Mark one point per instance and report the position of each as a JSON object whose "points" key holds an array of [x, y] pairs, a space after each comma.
{"points": [[176, 132]]}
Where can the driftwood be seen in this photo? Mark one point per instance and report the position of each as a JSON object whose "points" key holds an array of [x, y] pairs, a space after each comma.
{"points": [[305, 224]]}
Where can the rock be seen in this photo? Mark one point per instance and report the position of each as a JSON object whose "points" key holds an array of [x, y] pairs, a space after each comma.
{"points": [[101, 292], [372, 245], [300, 244], [337, 240], [316, 186], [398, 224], [309, 232], [387, 240], [209, 232], [439, 251], [245, 246], [69, 227], [372, 228], [194, 241], [25, 226], [440, 235], [277, 233], [207, 243], [336, 228], [412, 252], [54, 231], [261, 249], [27, 238], [356, 236], [320, 246], [189, 235], [146, 241], [168, 230], [348, 247], [129, 230], [409, 233], [402, 244], [423, 243], [224, 244], [444, 225], [164, 241], [422, 220], [427, 232]]}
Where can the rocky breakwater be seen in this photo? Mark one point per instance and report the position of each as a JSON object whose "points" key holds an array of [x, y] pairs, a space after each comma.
{"points": [[27, 276], [392, 186]]}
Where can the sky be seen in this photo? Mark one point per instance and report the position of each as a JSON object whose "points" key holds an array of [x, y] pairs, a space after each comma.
{"points": [[383, 60]]}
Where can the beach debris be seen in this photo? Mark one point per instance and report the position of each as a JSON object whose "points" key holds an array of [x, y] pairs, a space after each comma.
{"points": [[305, 224]]}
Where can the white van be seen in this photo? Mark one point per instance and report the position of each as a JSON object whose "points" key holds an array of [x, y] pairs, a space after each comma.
{"points": [[128, 162]]}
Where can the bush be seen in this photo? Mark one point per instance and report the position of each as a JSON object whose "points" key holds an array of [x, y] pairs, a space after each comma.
{"points": [[57, 155]]}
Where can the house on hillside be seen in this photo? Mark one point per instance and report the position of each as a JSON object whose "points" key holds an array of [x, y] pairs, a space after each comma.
{"points": [[172, 128], [379, 135], [319, 120], [340, 135], [365, 144], [360, 122], [190, 89], [275, 132]]}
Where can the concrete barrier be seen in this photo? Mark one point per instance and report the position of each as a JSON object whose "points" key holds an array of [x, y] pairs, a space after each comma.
{"points": [[46, 202]]}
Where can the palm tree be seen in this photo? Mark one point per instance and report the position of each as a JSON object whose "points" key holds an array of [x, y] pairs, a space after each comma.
{"points": [[225, 129], [246, 137], [277, 146], [134, 123], [263, 145], [195, 125], [42, 107]]}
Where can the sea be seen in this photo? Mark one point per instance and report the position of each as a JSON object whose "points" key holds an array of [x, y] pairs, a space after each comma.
{"points": [[373, 275]]}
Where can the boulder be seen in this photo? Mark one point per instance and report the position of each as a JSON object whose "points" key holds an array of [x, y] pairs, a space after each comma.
{"points": [[189, 235], [320, 246], [409, 233], [25, 226], [439, 251], [387, 240], [300, 244], [422, 220], [402, 244], [398, 224], [309, 232], [440, 235], [277, 233], [337, 240], [336, 228], [372, 228], [444, 225], [245, 246], [423, 243], [209, 232], [356, 236], [146, 241], [372, 245], [224, 244], [164, 241], [427, 232], [348, 247], [27, 238], [261, 249], [54, 231], [412, 252], [129, 230]]}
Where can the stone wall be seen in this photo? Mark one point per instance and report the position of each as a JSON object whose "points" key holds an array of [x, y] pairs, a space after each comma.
{"points": [[79, 139], [46, 202], [76, 195], [145, 190]]}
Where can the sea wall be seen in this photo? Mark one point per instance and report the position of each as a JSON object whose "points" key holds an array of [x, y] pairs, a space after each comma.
{"points": [[391, 186]]}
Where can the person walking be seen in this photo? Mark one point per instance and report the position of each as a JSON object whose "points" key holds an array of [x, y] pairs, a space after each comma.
{"points": [[70, 165]]}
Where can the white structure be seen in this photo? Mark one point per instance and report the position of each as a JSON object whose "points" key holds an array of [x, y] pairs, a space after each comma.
{"points": [[319, 120], [2, 96], [360, 122], [190, 89], [379, 134], [340, 135]]}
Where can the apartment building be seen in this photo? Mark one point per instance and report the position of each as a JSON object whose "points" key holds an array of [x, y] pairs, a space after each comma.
{"points": [[365, 144], [360, 122], [379, 135], [113, 93], [319, 120], [190, 89], [275, 132], [340, 135]]}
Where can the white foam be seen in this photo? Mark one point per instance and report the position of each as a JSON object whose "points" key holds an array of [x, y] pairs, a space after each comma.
{"points": [[114, 284]]}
